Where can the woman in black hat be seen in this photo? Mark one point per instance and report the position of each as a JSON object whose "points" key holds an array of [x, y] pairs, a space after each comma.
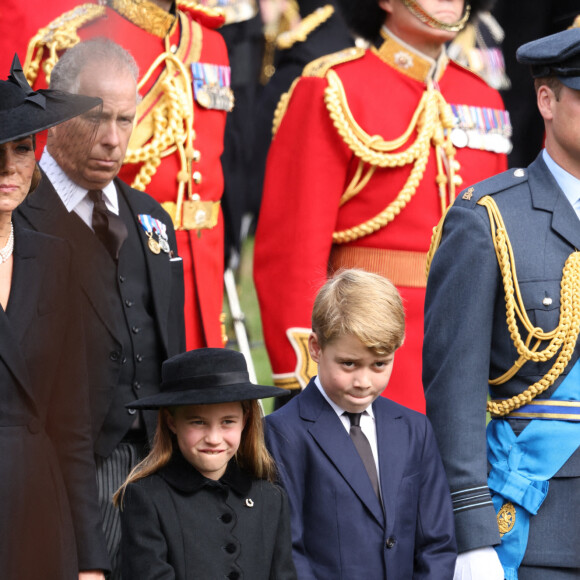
{"points": [[202, 504], [49, 517]]}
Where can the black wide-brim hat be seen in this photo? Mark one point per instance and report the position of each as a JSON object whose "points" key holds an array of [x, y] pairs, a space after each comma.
{"points": [[557, 55], [203, 377], [24, 112]]}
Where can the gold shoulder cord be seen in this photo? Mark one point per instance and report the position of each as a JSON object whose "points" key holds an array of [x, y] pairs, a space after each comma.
{"points": [[306, 27], [172, 125], [59, 35], [432, 116], [564, 336]]}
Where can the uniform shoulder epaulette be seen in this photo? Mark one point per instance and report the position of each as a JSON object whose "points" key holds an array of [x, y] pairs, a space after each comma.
{"points": [[307, 26], [206, 16], [316, 68], [59, 35], [501, 182], [320, 66]]}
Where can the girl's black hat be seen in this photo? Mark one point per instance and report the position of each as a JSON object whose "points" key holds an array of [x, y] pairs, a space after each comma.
{"points": [[205, 376]]}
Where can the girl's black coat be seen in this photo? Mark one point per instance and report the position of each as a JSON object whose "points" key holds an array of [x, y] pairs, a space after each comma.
{"points": [[179, 525]]}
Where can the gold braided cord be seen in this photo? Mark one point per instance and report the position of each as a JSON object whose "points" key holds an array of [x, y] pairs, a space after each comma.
{"points": [[435, 241], [563, 337], [59, 35], [211, 11], [306, 27], [172, 128], [281, 108], [432, 116]]}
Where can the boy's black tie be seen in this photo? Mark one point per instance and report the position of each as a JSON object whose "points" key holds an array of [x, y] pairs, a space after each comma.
{"points": [[109, 228], [364, 449]]}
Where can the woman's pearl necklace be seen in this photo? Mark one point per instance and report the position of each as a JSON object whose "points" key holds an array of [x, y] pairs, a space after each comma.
{"points": [[7, 250]]}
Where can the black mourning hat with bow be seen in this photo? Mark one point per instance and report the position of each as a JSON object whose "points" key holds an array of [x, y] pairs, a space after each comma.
{"points": [[203, 377], [24, 112]]}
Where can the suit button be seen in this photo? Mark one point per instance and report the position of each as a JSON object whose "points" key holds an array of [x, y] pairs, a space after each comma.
{"points": [[227, 518], [233, 575], [114, 355], [34, 426], [129, 303], [122, 279], [135, 330], [137, 385], [390, 543], [139, 357], [131, 411], [124, 360], [230, 548]]}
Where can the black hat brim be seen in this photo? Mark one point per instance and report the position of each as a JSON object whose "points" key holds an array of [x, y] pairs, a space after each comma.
{"points": [[31, 118], [209, 396]]}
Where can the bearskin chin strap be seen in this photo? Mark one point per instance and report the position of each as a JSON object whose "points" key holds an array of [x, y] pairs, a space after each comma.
{"points": [[420, 13]]}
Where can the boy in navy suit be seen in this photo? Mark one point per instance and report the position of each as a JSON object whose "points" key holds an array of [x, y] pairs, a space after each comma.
{"points": [[368, 494]]}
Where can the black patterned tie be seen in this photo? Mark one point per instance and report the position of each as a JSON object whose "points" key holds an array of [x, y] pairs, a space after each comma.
{"points": [[108, 227], [364, 449]]}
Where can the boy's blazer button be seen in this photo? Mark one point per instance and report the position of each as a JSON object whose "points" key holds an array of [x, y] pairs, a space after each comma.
{"points": [[390, 543], [227, 518], [230, 548]]}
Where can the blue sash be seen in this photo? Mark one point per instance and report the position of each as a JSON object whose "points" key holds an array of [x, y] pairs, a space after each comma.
{"points": [[522, 466]]}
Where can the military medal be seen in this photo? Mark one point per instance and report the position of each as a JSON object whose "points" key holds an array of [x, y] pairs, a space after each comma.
{"points": [[153, 245], [211, 86], [146, 223], [161, 230]]}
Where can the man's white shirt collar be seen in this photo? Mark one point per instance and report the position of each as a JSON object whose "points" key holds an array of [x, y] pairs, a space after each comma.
{"points": [[73, 196]]}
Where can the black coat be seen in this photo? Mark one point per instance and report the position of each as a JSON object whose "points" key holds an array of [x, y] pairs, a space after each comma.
{"points": [[179, 525], [47, 474], [103, 316]]}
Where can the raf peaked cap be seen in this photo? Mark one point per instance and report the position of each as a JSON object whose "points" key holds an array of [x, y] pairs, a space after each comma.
{"points": [[24, 112], [556, 55], [205, 376]]}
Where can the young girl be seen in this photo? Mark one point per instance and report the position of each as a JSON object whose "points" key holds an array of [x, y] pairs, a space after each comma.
{"points": [[202, 504]]}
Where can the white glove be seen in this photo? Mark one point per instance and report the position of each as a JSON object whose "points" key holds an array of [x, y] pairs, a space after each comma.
{"points": [[479, 564]]}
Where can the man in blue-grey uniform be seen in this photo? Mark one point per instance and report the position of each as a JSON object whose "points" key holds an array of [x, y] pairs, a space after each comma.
{"points": [[503, 317]]}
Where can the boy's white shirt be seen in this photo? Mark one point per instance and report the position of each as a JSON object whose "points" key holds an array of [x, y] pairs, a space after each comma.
{"points": [[478, 564]]}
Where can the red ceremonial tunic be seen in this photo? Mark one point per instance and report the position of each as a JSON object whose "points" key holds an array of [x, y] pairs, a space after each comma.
{"points": [[186, 37], [308, 169]]}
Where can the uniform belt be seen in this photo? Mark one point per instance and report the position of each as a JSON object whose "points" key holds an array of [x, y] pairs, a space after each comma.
{"points": [[195, 214], [401, 267], [548, 409]]}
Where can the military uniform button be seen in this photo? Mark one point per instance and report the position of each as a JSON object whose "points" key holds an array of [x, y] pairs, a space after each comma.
{"points": [[196, 177], [519, 173], [197, 155], [173, 49]]}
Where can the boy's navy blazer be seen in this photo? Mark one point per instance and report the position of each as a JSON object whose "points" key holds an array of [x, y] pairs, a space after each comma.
{"points": [[339, 529]]}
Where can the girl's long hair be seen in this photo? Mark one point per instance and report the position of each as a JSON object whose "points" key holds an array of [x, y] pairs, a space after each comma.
{"points": [[252, 455]]}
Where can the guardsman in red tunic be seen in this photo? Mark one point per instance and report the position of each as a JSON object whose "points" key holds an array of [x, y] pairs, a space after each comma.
{"points": [[174, 153], [369, 147]]}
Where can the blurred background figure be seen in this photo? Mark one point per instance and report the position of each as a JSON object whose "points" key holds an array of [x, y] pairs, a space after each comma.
{"points": [[359, 172]]}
